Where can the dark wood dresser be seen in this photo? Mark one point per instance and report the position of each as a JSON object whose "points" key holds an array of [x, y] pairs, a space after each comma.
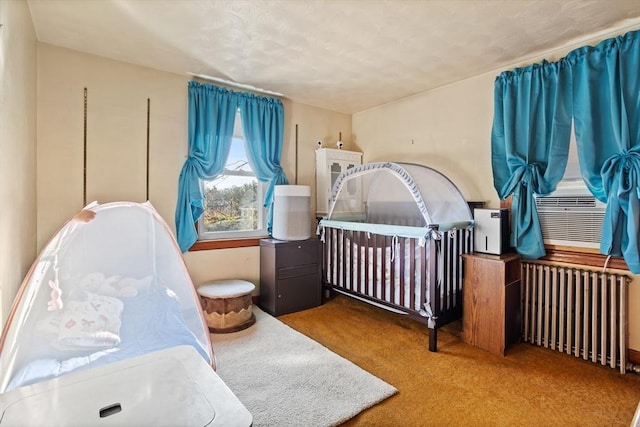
{"points": [[491, 315], [290, 275]]}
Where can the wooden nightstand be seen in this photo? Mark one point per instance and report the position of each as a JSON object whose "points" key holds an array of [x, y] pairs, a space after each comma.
{"points": [[290, 273], [491, 317]]}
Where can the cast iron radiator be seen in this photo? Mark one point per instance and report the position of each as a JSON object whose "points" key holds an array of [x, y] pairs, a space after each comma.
{"points": [[576, 311]]}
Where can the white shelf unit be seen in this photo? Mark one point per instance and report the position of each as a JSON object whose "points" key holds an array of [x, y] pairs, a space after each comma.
{"points": [[330, 163]]}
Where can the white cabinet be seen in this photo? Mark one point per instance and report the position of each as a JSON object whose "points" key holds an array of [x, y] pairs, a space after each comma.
{"points": [[329, 164]]}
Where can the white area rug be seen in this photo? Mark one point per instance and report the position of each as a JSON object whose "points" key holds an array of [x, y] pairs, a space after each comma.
{"points": [[286, 379]]}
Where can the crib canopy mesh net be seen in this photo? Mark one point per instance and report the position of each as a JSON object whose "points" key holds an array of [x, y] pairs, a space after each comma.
{"points": [[109, 286], [397, 196]]}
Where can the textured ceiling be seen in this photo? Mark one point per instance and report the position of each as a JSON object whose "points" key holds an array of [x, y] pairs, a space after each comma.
{"points": [[343, 55]]}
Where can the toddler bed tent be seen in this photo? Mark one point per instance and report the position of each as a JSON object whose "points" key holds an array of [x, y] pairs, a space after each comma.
{"points": [[393, 237], [108, 311]]}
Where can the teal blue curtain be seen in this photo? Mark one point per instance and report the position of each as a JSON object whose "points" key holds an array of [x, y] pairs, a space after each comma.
{"points": [[212, 111], [530, 144], [606, 108], [263, 124]]}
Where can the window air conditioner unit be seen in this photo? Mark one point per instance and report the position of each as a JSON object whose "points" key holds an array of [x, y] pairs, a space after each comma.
{"points": [[571, 216]]}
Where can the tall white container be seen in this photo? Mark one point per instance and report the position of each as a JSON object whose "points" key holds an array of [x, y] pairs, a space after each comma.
{"points": [[291, 212]]}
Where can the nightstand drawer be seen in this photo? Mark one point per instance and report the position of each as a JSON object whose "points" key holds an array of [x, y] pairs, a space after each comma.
{"points": [[301, 270], [298, 254]]}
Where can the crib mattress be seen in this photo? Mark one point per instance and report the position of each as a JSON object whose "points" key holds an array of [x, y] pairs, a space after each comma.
{"points": [[170, 387]]}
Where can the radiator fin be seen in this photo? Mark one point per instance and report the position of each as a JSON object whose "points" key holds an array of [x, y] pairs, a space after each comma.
{"points": [[576, 311]]}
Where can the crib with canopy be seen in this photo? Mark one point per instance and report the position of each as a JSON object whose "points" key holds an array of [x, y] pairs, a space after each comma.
{"points": [[393, 237]]}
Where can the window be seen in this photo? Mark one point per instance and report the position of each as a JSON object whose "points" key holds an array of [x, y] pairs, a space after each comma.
{"points": [[233, 200], [572, 172]]}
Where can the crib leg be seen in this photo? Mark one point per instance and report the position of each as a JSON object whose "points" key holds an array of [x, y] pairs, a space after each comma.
{"points": [[433, 340]]}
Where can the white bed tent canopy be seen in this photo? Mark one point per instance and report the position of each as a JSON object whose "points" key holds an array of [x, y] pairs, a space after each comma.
{"points": [[404, 199], [110, 285]]}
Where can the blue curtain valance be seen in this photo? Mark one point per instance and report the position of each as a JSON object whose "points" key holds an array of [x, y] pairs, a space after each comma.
{"points": [[606, 113], [530, 144], [212, 112], [262, 125], [599, 89]]}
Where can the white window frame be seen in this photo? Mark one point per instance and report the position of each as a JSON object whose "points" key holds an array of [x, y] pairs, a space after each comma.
{"points": [[261, 231]]}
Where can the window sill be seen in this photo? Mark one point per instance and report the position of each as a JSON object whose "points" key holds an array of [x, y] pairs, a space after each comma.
{"points": [[561, 254], [580, 256], [205, 245]]}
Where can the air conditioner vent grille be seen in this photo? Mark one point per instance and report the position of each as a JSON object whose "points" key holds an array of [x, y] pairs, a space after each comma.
{"points": [[566, 202], [585, 227]]}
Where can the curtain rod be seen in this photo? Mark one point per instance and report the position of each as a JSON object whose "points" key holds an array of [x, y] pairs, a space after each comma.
{"points": [[237, 85]]}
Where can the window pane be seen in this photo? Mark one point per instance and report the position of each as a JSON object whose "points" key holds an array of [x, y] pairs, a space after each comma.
{"points": [[237, 160], [231, 204], [233, 200]]}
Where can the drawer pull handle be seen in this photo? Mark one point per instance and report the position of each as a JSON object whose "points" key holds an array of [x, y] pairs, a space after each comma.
{"points": [[110, 410]]}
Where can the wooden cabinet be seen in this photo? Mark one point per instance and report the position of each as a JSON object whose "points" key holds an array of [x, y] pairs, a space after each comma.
{"points": [[290, 274], [330, 163], [491, 314]]}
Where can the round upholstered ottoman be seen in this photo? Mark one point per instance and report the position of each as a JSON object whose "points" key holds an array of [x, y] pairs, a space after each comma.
{"points": [[227, 305]]}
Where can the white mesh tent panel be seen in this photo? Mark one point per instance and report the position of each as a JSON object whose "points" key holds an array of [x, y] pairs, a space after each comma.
{"points": [[397, 194], [125, 291], [442, 198]]}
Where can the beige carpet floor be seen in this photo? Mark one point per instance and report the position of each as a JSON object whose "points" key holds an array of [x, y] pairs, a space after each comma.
{"points": [[462, 385]]}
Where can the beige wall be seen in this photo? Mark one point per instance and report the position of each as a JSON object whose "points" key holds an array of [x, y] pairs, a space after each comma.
{"points": [[116, 139], [116, 145], [313, 124], [449, 129], [18, 147]]}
